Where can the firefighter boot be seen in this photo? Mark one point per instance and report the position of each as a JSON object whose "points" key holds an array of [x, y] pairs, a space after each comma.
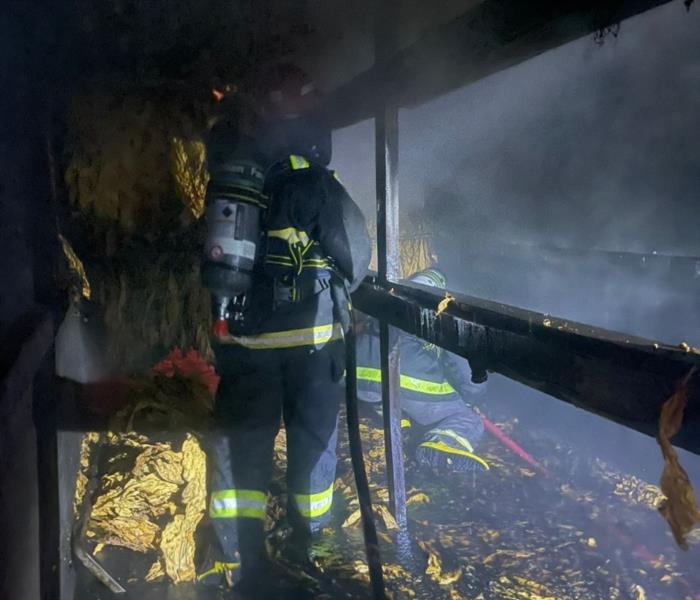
{"points": [[307, 550], [214, 568], [268, 581], [441, 462]]}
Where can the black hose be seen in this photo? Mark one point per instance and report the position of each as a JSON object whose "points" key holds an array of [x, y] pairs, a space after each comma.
{"points": [[369, 530]]}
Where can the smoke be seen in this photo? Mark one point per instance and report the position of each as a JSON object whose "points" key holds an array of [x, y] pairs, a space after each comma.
{"points": [[585, 147], [570, 185]]}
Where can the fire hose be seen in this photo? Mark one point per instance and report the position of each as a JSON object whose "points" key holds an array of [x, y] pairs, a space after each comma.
{"points": [[369, 530], [496, 432]]}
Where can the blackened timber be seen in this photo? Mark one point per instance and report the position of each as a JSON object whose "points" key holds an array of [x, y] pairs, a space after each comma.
{"points": [[387, 158], [491, 37], [391, 414], [617, 376], [387, 140]]}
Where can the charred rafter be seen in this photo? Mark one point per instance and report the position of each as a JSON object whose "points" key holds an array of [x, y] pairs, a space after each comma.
{"points": [[489, 38]]}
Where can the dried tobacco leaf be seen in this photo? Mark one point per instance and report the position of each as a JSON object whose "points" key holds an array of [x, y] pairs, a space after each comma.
{"points": [[156, 572], [419, 498], [629, 488], [118, 168], [520, 588], [386, 517], [443, 304], [177, 547], [680, 509], [76, 266], [352, 519], [163, 483], [188, 165], [86, 445], [416, 251]]}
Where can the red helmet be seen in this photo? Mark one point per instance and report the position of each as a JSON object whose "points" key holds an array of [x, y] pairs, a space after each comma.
{"points": [[287, 91]]}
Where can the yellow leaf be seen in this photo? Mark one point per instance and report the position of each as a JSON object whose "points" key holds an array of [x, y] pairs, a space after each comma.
{"points": [[352, 518], [419, 498], [444, 303]]}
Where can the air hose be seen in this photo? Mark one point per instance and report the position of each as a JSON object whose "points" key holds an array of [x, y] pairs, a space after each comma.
{"points": [[369, 529]]}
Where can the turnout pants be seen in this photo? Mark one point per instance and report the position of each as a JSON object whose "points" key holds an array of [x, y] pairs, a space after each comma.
{"points": [[258, 389], [448, 427], [443, 425]]}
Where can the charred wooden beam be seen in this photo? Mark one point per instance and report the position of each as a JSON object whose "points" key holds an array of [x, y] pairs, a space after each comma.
{"points": [[489, 38], [617, 376], [387, 164], [387, 140]]}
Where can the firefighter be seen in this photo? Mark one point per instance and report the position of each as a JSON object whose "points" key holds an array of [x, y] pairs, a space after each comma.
{"points": [[286, 361], [436, 390]]}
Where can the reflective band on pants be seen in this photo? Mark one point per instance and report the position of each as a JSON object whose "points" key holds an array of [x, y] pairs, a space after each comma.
{"points": [[229, 504], [408, 383], [314, 505], [310, 336]]}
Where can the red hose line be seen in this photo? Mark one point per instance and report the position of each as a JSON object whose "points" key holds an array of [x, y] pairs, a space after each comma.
{"points": [[497, 432]]}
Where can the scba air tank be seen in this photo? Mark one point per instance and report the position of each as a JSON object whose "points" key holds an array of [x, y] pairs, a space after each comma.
{"points": [[233, 216]]}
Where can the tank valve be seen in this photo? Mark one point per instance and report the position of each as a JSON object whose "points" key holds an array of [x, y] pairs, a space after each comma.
{"points": [[220, 325]]}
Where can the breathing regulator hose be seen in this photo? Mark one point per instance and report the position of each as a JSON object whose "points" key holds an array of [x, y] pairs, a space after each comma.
{"points": [[369, 529]]}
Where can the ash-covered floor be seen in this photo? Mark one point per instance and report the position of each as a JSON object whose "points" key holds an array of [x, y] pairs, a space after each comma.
{"points": [[584, 531]]}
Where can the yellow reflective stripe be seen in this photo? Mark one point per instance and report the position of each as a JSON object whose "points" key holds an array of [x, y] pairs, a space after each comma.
{"points": [[442, 447], [369, 374], [312, 263], [462, 441], [408, 383], [319, 263], [405, 423], [288, 339], [274, 259], [219, 567], [298, 162], [314, 505], [232, 503], [291, 235], [427, 387]]}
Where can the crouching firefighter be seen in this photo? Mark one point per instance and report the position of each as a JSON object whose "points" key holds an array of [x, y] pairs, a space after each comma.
{"points": [[279, 341], [436, 390]]}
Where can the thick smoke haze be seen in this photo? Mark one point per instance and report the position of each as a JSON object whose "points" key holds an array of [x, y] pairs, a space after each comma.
{"points": [[585, 147], [570, 185]]}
